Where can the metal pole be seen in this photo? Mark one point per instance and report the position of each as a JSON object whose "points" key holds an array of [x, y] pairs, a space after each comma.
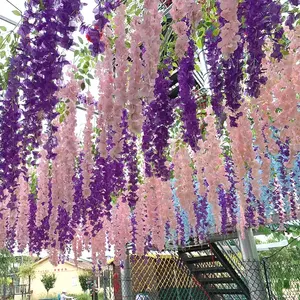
{"points": [[126, 280], [252, 266]]}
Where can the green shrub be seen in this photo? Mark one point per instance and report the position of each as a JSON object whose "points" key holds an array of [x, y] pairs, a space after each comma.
{"points": [[85, 296], [81, 296]]}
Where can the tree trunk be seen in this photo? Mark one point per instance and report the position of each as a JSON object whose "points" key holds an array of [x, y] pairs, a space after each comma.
{"points": [[29, 287]]}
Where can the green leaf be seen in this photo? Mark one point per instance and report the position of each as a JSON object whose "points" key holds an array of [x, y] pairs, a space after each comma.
{"points": [[138, 12], [77, 76], [90, 76], [199, 43], [127, 44], [216, 32], [80, 40], [76, 52], [16, 12], [2, 54], [82, 86], [88, 81], [197, 68], [3, 28]]}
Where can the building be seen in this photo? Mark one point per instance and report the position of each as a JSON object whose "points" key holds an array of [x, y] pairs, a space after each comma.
{"points": [[67, 277]]}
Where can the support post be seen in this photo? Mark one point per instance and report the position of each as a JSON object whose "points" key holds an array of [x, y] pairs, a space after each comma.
{"points": [[252, 266], [126, 280]]}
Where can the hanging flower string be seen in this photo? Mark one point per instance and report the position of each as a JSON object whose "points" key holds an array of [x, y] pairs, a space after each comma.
{"points": [[155, 168]]}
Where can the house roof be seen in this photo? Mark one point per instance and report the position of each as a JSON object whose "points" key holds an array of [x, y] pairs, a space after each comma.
{"points": [[84, 265]]}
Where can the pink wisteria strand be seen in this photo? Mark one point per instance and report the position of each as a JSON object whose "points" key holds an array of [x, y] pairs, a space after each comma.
{"points": [[77, 247], [186, 8], [243, 154], [150, 30], [5, 212], [210, 160], [180, 10], [104, 71], [43, 173], [68, 146], [23, 213], [87, 162], [142, 220], [184, 184], [63, 166], [135, 108], [182, 41], [122, 226], [282, 89], [98, 247], [121, 68], [229, 31]]}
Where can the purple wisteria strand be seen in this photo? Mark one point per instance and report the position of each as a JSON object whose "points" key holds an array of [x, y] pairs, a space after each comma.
{"points": [[233, 73], [159, 119], [231, 193], [216, 80], [10, 138], [223, 205], [78, 212], [43, 63], [94, 33], [262, 20], [94, 205], [250, 211], [188, 104], [293, 197], [64, 231], [200, 207], [282, 173]]}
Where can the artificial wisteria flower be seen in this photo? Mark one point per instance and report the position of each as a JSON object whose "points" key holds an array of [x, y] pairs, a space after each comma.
{"points": [[262, 20], [191, 126], [94, 33], [159, 119], [216, 80], [229, 30]]}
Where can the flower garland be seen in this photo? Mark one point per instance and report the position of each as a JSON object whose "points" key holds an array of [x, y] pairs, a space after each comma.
{"points": [[159, 172], [155, 139]]}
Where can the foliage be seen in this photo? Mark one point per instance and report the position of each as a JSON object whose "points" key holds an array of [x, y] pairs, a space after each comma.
{"points": [[290, 231], [85, 296], [85, 63], [84, 280], [48, 280], [81, 296], [27, 270], [8, 45], [6, 261], [282, 264]]}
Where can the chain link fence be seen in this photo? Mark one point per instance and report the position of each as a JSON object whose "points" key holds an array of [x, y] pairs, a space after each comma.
{"points": [[166, 277], [151, 277], [282, 279]]}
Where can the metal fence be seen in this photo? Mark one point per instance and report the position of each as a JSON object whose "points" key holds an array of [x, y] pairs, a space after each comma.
{"points": [[151, 277], [163, 277], [166, 277], [282, 279]]}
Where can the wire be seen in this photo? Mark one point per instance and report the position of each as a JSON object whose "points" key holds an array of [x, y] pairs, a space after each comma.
{"points": [[14, 6]]}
